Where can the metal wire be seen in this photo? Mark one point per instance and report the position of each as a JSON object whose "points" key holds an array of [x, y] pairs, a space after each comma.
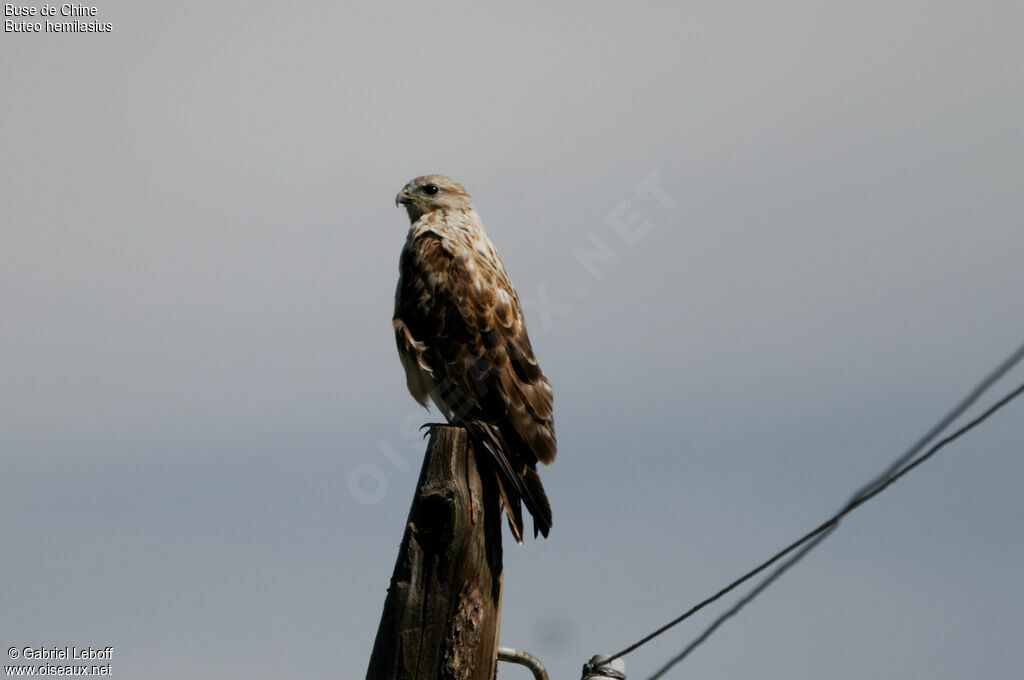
{"points": [[523, 659], [809, 541]]}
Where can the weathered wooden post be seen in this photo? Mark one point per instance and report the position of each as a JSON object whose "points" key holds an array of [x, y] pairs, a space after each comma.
{"points": [[443, 609]]}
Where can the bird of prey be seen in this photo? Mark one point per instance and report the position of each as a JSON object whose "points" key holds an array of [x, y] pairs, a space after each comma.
{"points": [[463, 343]]}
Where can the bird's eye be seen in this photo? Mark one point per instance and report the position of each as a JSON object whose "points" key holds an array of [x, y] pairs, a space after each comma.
{"points": [[430, 189]]}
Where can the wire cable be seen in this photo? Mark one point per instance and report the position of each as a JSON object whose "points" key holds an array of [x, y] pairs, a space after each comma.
{"points": [[824, 534], [895, 471]]}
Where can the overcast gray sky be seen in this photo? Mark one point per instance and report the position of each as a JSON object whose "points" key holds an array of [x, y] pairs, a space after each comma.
{"points": [[207, 456]]}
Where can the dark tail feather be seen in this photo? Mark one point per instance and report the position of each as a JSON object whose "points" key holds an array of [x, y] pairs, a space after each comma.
{"points": [[538, 505], [517, 481]]}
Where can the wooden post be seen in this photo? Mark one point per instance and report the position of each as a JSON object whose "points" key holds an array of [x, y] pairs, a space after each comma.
{"points": [[443, 609]]}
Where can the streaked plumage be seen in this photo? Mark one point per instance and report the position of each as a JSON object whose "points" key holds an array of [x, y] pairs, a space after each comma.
{"points": [[463, 343]]}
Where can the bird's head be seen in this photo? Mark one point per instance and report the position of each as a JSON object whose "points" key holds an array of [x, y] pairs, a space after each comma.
{"points": [[432, 192]]}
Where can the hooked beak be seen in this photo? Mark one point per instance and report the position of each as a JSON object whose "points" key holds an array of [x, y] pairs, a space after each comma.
{"points": [[403, 197]]}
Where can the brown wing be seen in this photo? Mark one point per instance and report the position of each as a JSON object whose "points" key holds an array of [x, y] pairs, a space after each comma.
{"points": [[458, 319]]}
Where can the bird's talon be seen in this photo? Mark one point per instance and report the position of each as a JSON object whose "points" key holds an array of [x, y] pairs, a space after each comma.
{"points": [[430, 427]]}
